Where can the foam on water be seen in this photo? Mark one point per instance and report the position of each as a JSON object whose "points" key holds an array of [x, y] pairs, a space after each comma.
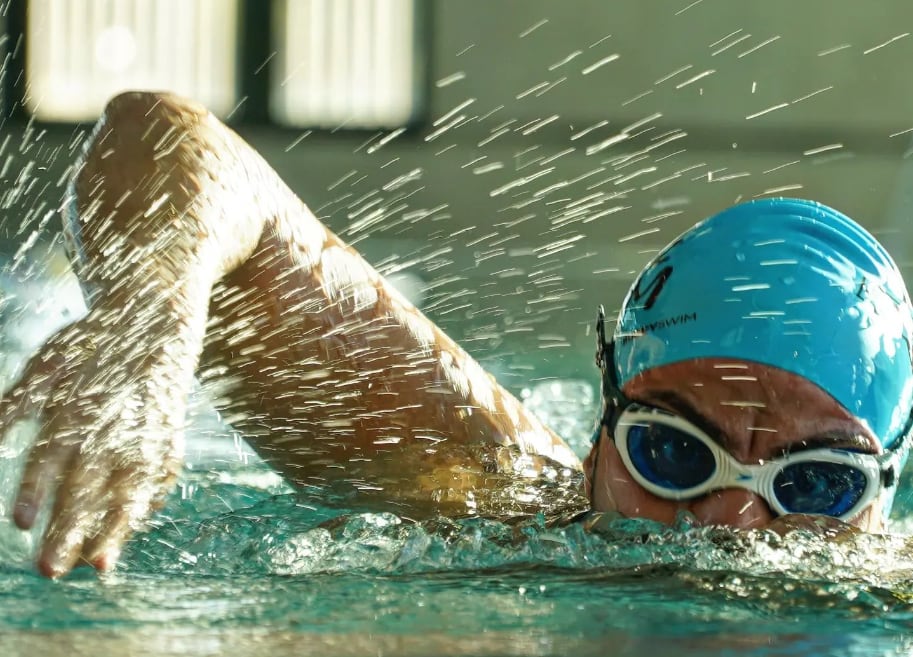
{"points": [[267, 534]]}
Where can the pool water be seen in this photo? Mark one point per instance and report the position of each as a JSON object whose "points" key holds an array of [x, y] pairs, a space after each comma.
{"points": [[238, 564]]}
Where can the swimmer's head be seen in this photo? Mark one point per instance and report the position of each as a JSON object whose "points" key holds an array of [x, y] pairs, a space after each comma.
{"points": [[785, 283]]}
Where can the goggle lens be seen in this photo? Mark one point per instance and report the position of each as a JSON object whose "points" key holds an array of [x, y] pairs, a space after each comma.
{"points": [[668, 457], [819, 487], [673, 459]]}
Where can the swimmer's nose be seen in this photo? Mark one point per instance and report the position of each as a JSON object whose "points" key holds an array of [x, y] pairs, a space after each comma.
{"points": [[732, 507]]}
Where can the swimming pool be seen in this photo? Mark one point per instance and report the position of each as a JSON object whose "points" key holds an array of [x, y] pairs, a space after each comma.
{"points": [[237, 564]]}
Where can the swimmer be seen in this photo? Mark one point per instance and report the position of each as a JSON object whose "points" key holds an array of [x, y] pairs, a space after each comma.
{"points": [[760, 365]]}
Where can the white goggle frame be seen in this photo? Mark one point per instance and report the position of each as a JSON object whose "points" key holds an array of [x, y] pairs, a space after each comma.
{"points": [[730, 473]]}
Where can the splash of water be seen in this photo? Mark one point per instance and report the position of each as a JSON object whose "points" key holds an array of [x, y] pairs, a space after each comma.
{"points": [[267, 534]]}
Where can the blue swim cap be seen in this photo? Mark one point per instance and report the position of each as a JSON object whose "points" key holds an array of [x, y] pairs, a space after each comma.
{"points": [[787, 283]]}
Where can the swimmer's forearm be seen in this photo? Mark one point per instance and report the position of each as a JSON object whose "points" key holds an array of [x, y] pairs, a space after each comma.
{"points": [[165, 201], [153, 222]]}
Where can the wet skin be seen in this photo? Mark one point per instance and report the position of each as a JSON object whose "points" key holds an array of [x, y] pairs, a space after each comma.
{"points": [[756, 412]]}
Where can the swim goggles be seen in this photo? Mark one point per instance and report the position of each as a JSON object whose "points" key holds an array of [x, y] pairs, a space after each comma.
{"points": [[673, 459]]}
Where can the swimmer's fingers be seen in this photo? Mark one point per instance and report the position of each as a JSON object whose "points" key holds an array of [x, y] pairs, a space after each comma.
{"points": [[126, 514], [103, 549], [47, 461], [99, 505], [48, 385], [51, 457], [79, 508]]}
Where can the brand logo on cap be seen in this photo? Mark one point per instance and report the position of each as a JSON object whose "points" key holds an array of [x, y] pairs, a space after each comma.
{"points": [[654, 287]]}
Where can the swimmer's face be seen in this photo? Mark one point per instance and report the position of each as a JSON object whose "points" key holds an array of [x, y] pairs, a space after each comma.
{"points": [[761, 413]]}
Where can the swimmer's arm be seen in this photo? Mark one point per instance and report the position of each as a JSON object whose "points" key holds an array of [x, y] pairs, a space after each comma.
{"points": [[328, 372], [335, 378], [320, 363]]}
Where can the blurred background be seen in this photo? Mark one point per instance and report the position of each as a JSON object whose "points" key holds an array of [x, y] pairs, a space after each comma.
{"points": [[510, 163]]}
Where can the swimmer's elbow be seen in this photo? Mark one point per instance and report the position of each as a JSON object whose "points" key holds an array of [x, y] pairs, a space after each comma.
{"points": [[143, 106], [164, 171]]}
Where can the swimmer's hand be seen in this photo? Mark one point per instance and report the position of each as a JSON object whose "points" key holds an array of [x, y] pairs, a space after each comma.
{"points": [[109, 393]]}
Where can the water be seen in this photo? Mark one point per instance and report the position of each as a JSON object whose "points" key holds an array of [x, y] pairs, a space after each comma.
{"points": [[277, 576], [237, 563]]}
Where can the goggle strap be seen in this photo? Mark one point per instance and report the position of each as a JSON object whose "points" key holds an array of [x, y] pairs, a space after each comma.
{"points": [[605, 360], [889, 476], [601, 345], [602, 362]]}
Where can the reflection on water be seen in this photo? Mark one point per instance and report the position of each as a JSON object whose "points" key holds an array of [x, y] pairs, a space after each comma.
{"points": [[568, 406], [267, 642]]}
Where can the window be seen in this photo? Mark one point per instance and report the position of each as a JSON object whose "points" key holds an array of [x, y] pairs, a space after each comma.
{"points": [[81, 52], [345, 63]]}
